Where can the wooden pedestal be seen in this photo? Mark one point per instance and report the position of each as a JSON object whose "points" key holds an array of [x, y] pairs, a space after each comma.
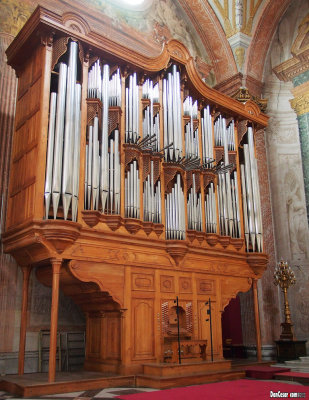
{"points": [[290, 349]]}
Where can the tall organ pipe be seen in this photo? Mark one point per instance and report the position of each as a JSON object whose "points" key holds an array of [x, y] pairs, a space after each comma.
{"points": [[255, 191], [76, 152], [50, 152], [194, 208], [245, 207], [132, 110], [59, 132], [132, 198], [207, 137], [251, 197], [89, 166], [172, 115], [95, 160], [210, 210], [174, 214], [104, 138], [67, 173], [250, 206], [117, 173]]}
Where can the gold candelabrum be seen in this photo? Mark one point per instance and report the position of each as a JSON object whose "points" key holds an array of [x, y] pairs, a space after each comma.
{"points": [[284, 277]]}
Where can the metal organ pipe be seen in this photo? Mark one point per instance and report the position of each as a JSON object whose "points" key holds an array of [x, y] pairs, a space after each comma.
{"points": [[151, 122], [132, 110], [132, 206], [95, 167], [50, 152], [174, 214], [194, 208], [104, 138], [63, 151], [76, 152], [210, 210], [251, 197], [172, 115], [191, 135], [67, 173], [102, 159], [207, 137], [227, 183], [59, 132], [152, 199]]}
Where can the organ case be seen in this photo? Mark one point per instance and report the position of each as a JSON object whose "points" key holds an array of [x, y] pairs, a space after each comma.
{"points": [[139, 179]]}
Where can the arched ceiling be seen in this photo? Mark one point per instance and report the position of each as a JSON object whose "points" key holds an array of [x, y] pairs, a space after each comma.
{"points": [[228, 38]]}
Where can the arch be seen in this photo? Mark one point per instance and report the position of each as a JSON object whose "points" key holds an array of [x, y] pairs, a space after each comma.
{"points": [[75, 22], [213, 37], [263, 33]]}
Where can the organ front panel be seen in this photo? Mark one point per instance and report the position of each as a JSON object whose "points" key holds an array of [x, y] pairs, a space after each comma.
{"points": [[131, 164]]}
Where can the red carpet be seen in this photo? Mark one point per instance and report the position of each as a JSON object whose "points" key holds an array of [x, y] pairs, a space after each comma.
{"points": [[295, 374], [264, 372], [242, 389]]}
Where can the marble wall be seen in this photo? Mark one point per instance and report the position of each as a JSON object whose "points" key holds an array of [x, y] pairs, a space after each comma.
{"points": [[285, 170]]}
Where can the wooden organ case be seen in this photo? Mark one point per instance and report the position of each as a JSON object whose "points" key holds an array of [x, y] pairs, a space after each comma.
{"points": [[132, 182]]}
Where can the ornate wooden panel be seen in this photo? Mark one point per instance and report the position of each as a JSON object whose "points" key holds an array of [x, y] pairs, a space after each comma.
{"points": [[143, 329]]}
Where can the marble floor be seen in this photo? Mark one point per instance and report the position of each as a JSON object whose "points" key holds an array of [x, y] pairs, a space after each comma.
{"points": [[99, 394]]}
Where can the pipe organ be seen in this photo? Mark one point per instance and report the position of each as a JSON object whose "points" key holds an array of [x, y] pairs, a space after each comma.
{"points": [[139, 179], [184, 127]]}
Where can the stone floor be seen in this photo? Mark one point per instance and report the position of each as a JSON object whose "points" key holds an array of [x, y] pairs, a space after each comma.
{"points": [[299, 365], [99, 394]]}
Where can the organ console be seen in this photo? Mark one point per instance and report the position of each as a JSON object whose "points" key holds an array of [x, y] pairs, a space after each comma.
{"points": [[136, 178]]}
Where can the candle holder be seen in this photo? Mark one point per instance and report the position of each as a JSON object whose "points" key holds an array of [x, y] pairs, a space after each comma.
{"points": [[284, 277]]}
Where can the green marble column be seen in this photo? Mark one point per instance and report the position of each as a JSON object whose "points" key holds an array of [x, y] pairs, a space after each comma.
{"points": [[303, 125], [301, 105]]}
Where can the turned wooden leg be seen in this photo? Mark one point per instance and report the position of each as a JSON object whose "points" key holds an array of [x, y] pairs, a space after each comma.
{"points": [[56, 266], [23, 323], [257, 320]]}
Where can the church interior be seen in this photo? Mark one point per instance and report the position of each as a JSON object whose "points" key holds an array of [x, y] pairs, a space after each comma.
{"points": [[154, 185]]}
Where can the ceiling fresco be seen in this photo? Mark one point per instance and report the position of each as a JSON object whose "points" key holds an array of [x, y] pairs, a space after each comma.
{"points": [[229, 39]]}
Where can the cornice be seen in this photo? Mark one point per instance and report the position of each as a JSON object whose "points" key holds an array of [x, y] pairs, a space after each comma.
{"points": [[299, 63], [291, 68], [44, 21]]}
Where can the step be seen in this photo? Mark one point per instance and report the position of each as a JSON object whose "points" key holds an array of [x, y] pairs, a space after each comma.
{"points": [[264, 372], [300, 377]]}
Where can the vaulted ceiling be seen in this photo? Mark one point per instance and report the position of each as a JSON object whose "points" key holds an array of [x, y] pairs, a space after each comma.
{"points": [[228, 38]]}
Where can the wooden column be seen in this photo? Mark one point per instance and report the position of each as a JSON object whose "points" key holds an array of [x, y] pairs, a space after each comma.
{"points": [[23, 323], [56, 265], [257, 320]]}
